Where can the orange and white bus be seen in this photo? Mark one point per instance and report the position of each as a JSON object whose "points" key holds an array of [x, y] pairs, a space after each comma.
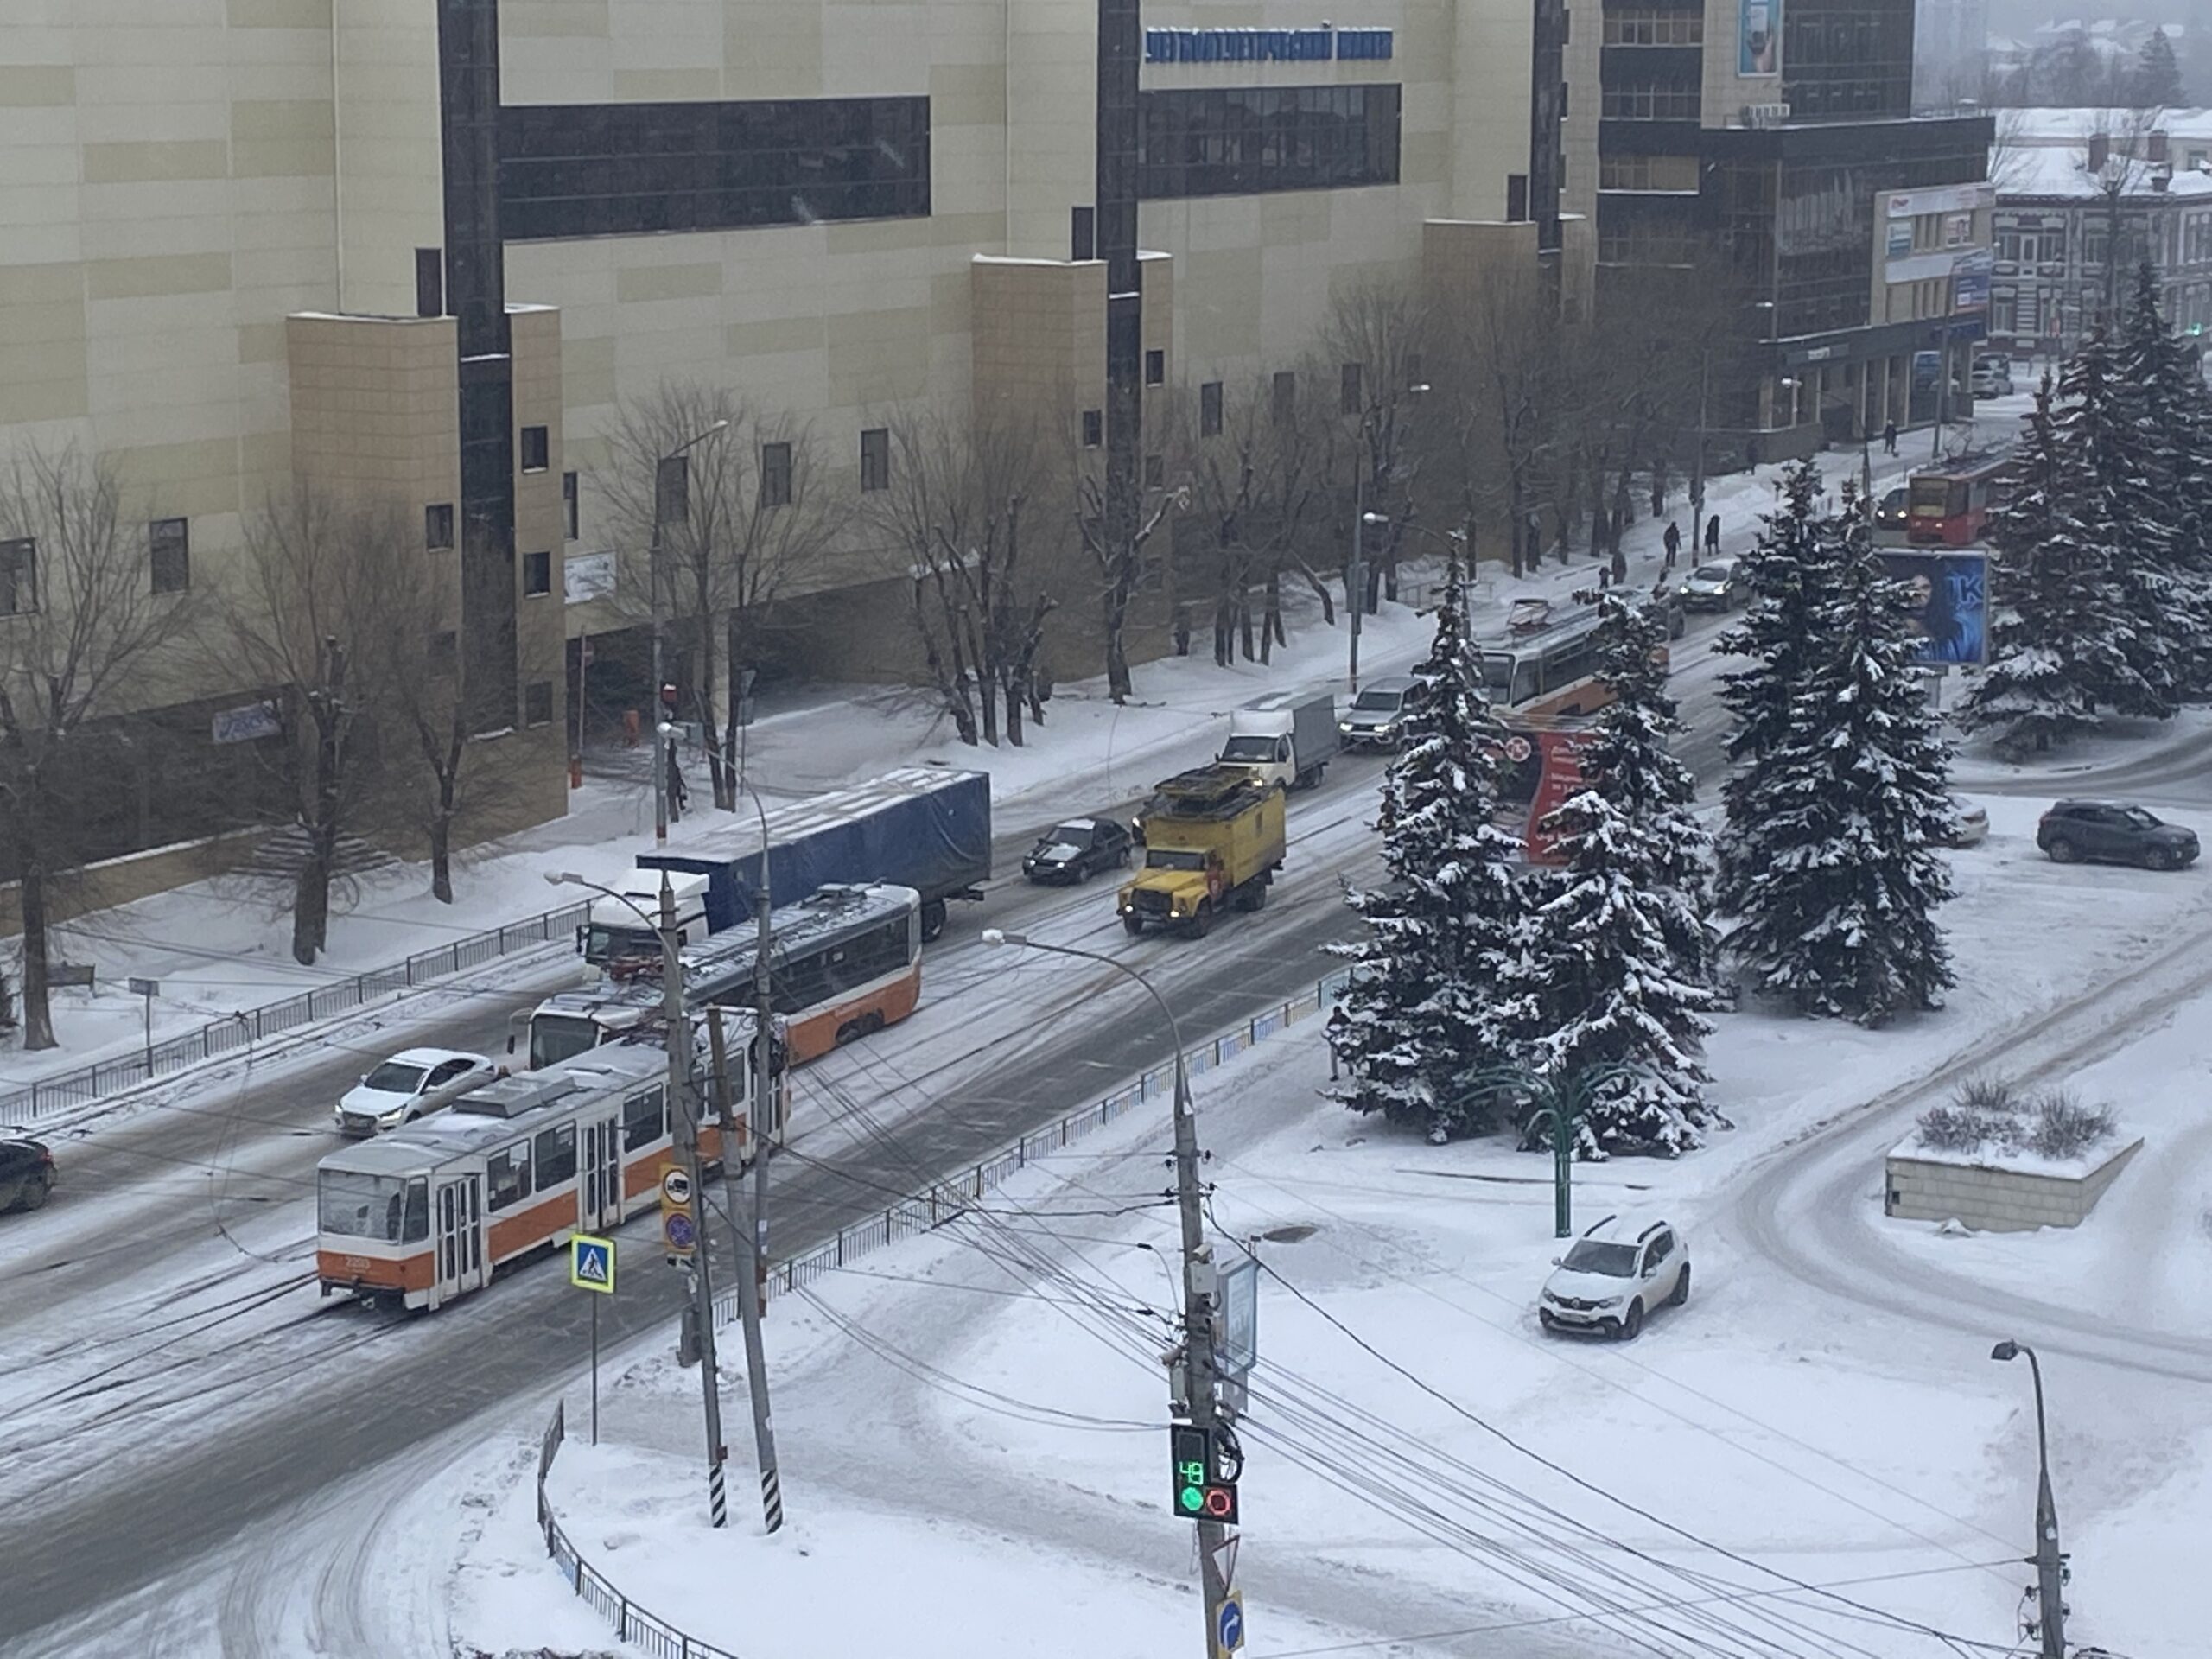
{"points": [[842, 963], [432, 1211]]}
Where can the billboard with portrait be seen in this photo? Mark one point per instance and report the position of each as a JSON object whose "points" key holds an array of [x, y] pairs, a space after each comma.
{"points": [[1758, 37], [1949, 602]]}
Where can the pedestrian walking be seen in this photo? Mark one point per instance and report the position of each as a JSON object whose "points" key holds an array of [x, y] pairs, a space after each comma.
{"points": [[1673, 541], [1889, 439], [679, 792], [1713, 537], [1658, 488]]}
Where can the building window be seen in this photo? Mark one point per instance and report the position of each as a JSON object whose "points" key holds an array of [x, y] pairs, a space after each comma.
{"points": [[1645, 100], [1350, 395], [430, 282], [1156, 368], [1210, 408], [775, 475], [437, 526], [1155, 472], [18, 577], [1248, 141], [571, 515], [1083, 234], [444, 652], [1648, 172], [632, 169], [536, 449], [875, 458], [1094, 428], [169, 550], [537, 574], [1517, 198], [1282, 400], [537, 703], [1643, 26]]}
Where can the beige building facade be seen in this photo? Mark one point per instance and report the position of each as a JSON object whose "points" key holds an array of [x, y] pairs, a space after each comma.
{"points": [[433, 248]]}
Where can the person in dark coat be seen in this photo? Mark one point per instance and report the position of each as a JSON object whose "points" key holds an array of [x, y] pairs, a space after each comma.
{"points": [[1889, 439], [1713, 537], [1673, 541]]}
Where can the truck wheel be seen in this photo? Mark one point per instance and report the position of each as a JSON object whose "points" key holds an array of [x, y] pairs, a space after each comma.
{"points": [[1202, 918], [1132, 926], [933, 919]]}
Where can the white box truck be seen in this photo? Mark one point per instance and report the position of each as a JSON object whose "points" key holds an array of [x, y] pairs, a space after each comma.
{"points": [[1284, 739]]}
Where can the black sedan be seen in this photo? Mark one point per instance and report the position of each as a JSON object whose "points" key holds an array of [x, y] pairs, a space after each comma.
{"points": [[1078, 850], [26, 1174]]}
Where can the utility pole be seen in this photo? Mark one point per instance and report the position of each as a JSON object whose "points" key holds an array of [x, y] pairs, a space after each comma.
{"points": [[753, 1263], [2049, 1563], [1356, 572], [1697, 460], [683, 1103], [662, 469]]}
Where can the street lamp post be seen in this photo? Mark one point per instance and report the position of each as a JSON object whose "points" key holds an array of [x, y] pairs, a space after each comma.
{"points": [[1198, 1295], [685, 1104], [1563, 1102], [2050, 1564], [753, 1261], [665, 469], [1356, 572]]}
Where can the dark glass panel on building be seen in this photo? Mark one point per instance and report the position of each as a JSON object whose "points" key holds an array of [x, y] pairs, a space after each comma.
{"points": [[622, 169], [1846, 60], [1249, 141]]}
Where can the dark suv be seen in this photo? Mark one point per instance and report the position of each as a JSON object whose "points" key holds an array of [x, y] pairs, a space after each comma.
{"points": [[2116, 834], [26, 1174]]}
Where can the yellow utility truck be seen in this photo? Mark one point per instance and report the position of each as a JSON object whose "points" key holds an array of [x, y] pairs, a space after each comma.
{"points": [[1214, 840]]}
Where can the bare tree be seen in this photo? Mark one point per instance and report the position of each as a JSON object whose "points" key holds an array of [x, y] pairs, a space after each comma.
{"points": [[80, 627], [1261, 488], [959, 513], [1492, 428], [1374, 345], [735, 501], [311, 615], [1121, 560]]}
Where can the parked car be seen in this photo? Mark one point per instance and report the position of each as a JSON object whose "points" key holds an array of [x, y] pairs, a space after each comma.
{"points": [[1894, 509], [1075, 850], [1376, 714], [1972, 825], [1615, 1278], [412, 1084], [1991, 376], [26, 1174], [2113, 832], [1716, 585]]}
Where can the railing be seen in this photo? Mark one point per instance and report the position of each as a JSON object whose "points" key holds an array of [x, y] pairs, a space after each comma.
{"points": [[946, 1200], [242, 1030], [631, 1623]]}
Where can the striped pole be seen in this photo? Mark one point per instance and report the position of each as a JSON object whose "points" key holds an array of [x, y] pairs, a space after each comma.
{"points": [[772, 1499], [717, 1499]]}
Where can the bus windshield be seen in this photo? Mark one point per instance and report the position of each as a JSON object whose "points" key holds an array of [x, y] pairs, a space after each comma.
{"points": [[557, 1037], [357, 1206], [1498, 673]]}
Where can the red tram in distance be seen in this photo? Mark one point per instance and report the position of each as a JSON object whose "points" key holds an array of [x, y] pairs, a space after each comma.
{"points": [[1950, 506]]}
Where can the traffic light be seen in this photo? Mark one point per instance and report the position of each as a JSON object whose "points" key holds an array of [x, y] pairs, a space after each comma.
{"points": [[1200, 1493]]}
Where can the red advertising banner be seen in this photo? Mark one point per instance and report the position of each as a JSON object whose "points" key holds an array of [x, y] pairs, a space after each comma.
{"points": [[1560, 779]]}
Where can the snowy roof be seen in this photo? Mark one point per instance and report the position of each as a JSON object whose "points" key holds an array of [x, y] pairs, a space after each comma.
{"points": [[2044, 173], [2018, 128]]}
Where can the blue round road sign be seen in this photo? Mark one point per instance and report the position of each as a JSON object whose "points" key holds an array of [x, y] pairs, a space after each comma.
{"points": [[1228, 1625], [678, 1231]]}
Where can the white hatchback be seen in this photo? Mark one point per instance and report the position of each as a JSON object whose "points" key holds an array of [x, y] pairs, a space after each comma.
{"points": [[410, 1084], [1616, 1276]]}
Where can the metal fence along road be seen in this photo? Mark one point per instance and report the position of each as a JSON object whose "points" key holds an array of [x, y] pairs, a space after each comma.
{"points": [[240, 1031], [631, 1623]]}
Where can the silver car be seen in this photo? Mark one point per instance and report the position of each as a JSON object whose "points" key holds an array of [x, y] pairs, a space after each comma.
{"points": [[1716, 585], [1377, 717]]}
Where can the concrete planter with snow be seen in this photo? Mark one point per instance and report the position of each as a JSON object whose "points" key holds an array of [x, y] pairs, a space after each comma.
{"points": [[1996, 1190]]}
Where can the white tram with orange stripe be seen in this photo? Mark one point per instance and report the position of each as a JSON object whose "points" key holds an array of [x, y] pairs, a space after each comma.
{"points": [[432, 1211], [845, 961]]}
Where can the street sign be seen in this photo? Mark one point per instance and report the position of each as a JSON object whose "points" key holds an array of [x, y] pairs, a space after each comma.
{"points": [[144, 986], [1239, 1349], [679, 1220], [677, 1232], [1224, 1559], [591, 1263], [1228, 1625], [676, 1185]]}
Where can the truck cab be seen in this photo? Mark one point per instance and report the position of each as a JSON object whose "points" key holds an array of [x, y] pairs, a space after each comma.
{"points": [[1213, 841], [1284, 739], [618, 931]]}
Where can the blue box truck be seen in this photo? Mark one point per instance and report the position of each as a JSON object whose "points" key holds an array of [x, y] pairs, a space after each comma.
{"points": [[920, 827]]}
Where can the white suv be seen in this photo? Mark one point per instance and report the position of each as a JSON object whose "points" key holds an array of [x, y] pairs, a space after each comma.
{"points": [[1617, 1273]]}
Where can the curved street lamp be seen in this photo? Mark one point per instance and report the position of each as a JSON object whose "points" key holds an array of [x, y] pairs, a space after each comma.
{"points": [[2049, 1565]]}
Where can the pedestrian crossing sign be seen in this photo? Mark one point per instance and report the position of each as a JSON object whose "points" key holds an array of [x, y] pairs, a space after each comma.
{"points": [[591, 1263]]}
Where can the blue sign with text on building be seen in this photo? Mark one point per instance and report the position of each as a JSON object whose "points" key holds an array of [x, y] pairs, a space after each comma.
{"points": [[1268, 45]]}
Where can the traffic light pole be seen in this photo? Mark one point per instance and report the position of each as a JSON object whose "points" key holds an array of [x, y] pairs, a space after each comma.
{"points": [[753, 1261], [683, 1105]]}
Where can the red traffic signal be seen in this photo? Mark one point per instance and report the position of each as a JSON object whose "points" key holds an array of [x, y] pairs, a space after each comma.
{"points": [[1199, 1492]]}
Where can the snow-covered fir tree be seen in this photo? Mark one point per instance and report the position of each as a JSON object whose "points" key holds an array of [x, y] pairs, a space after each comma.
{"points": [[2158, 381], [1791, 565], [1618, 972], [1841, 872], [2053, 645], [2107, 491], [1424, 1010]]}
